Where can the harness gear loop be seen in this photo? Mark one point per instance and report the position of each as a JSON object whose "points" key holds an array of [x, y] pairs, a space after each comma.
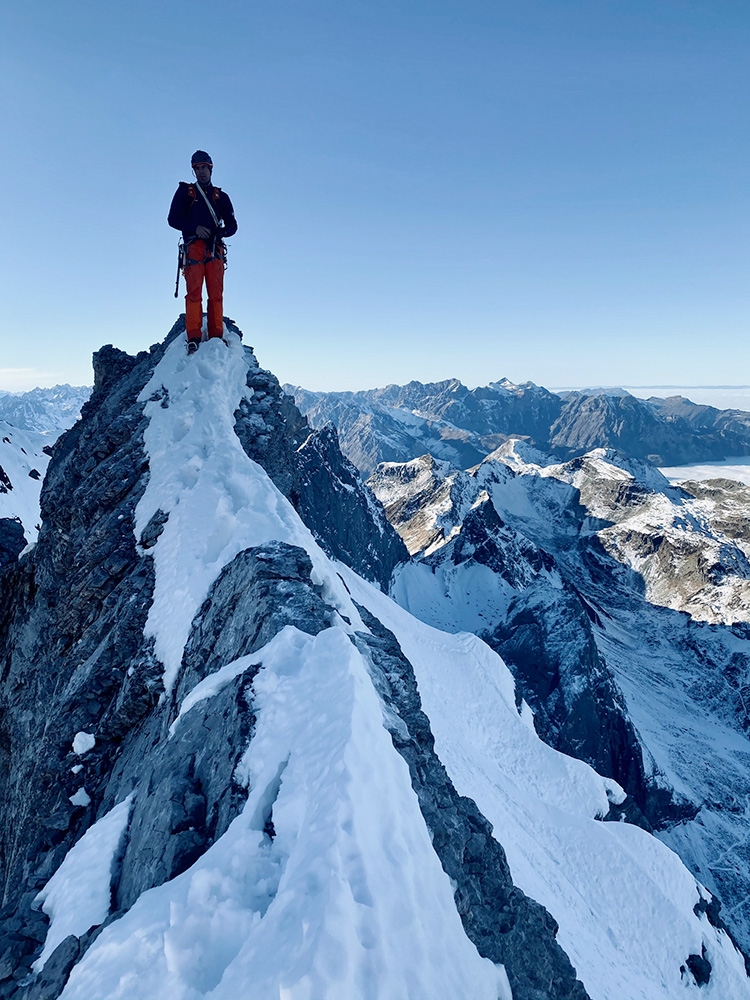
{"points": [[181, 259], [215, 248]]}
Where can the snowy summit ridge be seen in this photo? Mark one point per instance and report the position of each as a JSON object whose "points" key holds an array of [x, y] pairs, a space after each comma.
{"points": [[234, 765]]}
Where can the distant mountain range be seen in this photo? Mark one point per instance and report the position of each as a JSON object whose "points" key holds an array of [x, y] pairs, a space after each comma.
{"points": [[30, 422], [462, 426], [45, 411]]}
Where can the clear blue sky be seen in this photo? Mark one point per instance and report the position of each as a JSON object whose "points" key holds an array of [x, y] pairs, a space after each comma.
{"points": [[554, 190]]}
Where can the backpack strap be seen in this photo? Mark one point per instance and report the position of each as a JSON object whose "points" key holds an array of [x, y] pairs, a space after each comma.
{"points": [[209, 206]]}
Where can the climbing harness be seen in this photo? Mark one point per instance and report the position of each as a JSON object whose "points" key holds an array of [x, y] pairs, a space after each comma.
{"points": [[218, 247]]}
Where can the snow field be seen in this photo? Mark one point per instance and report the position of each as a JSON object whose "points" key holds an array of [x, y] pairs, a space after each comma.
{"points": [[326, 887], [623, 900], [346, 900], [77, 897], [219, 501], [443, 597], [21, 453]]}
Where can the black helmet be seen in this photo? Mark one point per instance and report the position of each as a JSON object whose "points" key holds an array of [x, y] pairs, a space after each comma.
{"points": [[200, 156]]}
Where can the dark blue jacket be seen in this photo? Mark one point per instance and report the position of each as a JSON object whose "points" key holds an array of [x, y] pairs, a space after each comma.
{"points": [[188, 211]]}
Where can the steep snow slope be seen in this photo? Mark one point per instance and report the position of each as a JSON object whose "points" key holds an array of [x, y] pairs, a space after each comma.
{"points": [[348, 897], [259, 769], [22, 466], [215, 501], [599, 880], [596, 571]]}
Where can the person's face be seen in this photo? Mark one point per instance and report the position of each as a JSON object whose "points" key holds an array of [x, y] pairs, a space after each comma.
{"points": [[202, 172]]}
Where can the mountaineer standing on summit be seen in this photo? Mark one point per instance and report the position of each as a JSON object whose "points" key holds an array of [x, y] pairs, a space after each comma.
{"points": [[204, 215]]}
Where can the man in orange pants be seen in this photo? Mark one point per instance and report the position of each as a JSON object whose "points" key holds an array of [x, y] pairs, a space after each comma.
{"points": [[204, 215]]}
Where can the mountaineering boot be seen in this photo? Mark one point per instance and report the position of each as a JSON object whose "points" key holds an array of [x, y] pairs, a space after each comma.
{"points": [[192, 346]]}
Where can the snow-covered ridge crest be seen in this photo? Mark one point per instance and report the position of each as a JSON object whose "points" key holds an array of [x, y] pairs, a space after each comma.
{"points": [[297, 834], [346, 899], [217, 500]]}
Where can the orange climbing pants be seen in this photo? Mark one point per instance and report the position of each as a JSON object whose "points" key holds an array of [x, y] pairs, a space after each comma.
{"points": [[196, 270]]}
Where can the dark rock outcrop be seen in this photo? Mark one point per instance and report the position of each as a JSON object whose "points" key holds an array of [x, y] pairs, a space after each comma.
{"points": [[547, 641], [270, 427], [323, 486], [505, 925], [328, 492], [12, 540], [72, 653], [187, 793]]}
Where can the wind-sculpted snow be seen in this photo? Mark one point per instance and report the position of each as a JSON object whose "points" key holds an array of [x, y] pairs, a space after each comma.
{"points": [[325, 886], [216, 500]]}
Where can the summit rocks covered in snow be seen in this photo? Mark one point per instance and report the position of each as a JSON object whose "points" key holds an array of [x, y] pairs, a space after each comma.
{"points": [[231, 765], [462, 426]]}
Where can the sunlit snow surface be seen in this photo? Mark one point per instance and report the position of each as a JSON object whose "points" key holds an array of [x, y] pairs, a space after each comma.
{"points": [[623, 900], [218, 500], [348, 900]]}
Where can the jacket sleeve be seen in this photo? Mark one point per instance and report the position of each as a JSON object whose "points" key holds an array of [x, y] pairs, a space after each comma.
{"points": [[227, 216], [178, 210]]}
